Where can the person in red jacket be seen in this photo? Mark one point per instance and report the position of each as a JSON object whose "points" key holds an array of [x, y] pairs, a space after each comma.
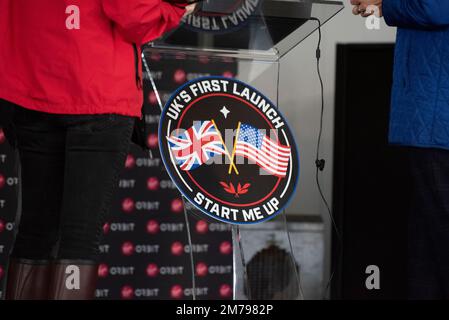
{"points": [[70, 72]]}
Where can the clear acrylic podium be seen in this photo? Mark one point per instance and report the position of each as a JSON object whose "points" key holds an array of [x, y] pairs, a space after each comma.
{"points": [[248, 39]]}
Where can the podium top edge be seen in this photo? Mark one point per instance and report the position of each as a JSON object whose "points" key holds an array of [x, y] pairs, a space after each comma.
{"points": [[258, 29]]}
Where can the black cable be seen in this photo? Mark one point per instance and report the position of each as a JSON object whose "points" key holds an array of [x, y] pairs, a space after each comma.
{"points": [[321, 163]]}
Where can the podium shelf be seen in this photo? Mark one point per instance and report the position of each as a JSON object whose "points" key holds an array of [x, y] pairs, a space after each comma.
{"points": [[248, 29]]}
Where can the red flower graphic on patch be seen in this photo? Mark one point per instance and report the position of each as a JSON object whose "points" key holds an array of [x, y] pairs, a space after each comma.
{"points": [[229, 188]]}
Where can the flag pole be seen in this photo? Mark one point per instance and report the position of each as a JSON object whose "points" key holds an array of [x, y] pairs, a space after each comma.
{"points": [[226, 148], [235, 147]]}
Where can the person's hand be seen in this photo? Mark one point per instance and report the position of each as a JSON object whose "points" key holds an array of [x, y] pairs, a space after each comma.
{"points": [[365, 7], [190, 9]]}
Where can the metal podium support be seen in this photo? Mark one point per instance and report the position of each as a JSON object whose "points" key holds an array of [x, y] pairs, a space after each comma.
{"points": [[254, 36]]}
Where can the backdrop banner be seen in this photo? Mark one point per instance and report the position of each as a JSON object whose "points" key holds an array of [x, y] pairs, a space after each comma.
{"points": [[145, 252]]}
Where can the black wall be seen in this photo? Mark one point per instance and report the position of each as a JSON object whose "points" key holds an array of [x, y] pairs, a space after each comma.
{"points": [[371, 196]]}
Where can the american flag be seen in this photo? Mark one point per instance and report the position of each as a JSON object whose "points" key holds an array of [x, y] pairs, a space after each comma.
{"points": [[272, 156], [194, 146]]}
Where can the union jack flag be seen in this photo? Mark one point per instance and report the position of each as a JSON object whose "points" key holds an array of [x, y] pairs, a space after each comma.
{"points": [[196, 145], [272, 156]]}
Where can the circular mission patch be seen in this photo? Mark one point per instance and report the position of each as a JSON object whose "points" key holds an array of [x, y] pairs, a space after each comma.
{"points": [[229, 150]]}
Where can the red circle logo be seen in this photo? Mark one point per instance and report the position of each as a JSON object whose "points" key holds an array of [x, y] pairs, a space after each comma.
{"points": [[103, 270], [130, 161], [2, 272], [2, 136], [152, 98], [177, 248], [128, 205], [152, 140], [2, 181], [228, 74], [176, 292], [152, 227], [2, 225], [203, 59], [106, 228], [127, 248], [202, 227], [127, 292], [225, 291], [152, 270], [153, 183], [225, 247], [156, 56], [201, 269], [177, 206], [180, 76]]}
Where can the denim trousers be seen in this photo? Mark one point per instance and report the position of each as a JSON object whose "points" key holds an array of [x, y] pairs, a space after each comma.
{"points": [[428, 244], [69, 169]]}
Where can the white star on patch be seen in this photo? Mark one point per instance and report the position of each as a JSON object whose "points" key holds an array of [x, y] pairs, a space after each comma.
{"points": [[225, 112]]}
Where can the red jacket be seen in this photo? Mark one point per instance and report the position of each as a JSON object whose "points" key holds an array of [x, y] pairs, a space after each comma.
{"points": [[48, 67]]}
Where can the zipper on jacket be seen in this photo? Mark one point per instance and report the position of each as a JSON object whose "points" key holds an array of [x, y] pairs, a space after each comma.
{"points": [[137, 66]]}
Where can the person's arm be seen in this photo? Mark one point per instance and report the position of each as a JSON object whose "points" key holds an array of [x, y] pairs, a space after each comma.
{"points": [[141, 21], [416, 13]]}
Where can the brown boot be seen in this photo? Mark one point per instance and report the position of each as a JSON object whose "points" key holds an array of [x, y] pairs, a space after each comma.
{"points": [[73, 280], [27, 279]]}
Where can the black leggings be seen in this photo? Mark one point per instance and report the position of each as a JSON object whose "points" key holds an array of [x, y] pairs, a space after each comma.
{"points": [[70, 166], [429, 225]]}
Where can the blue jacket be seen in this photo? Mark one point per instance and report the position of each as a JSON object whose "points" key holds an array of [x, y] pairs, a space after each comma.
{"points": [[420, 97]]}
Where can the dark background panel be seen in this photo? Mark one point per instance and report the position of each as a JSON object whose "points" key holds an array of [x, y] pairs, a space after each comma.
{"points": [[145, 252], [371, 182]]}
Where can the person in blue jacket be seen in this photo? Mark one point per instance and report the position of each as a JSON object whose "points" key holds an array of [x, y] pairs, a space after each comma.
{"points": [[419, 120]]}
